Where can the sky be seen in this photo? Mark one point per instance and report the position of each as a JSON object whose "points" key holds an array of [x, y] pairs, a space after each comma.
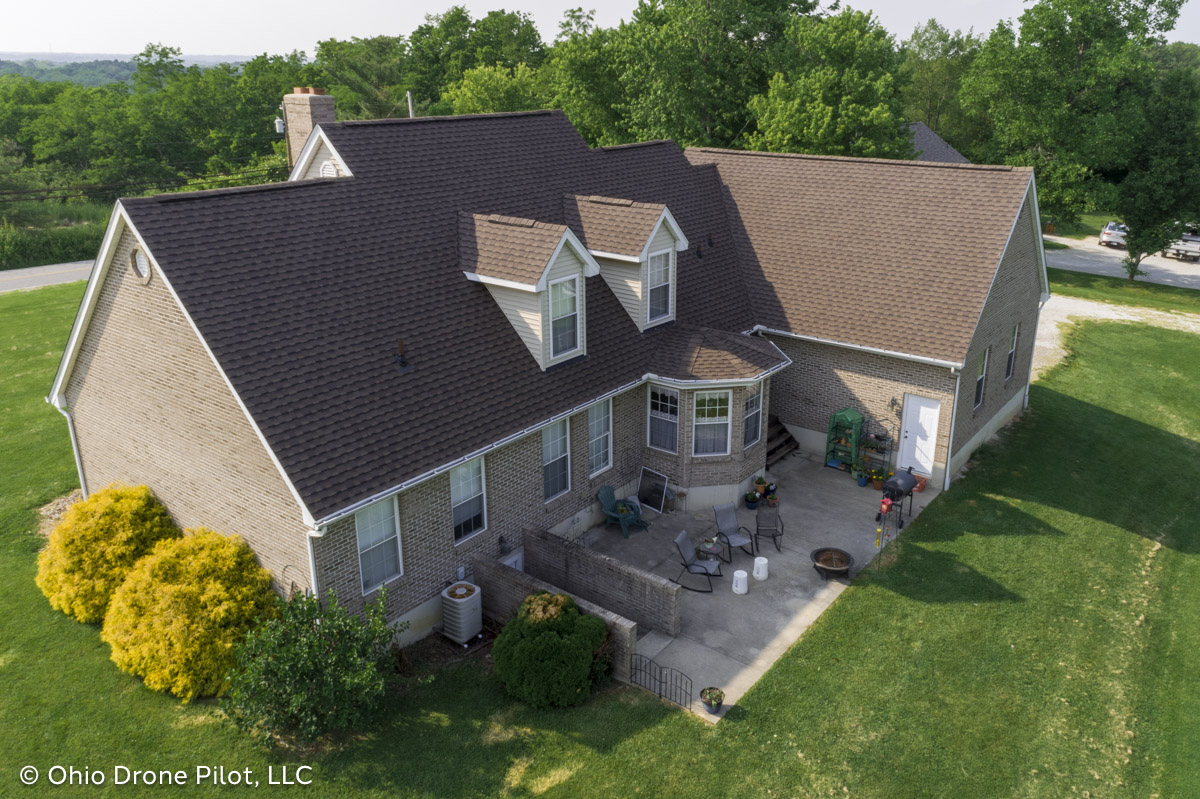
{"points": [[250, 27]]}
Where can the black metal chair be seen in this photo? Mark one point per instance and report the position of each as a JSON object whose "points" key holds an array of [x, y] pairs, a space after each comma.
{"points": [[730, 532], [767, 524], [693, 565]]}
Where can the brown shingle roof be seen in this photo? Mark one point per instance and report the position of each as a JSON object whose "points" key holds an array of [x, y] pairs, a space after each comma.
{"points": [[686, 352], [506, 247], [896, 255], [610, 224]]}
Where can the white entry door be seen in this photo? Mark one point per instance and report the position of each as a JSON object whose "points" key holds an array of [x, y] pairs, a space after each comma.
{"points": [[918, 434]]}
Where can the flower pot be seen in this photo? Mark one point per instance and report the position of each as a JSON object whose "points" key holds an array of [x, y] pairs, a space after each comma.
{"points": [[877, 484], [761, 488], [712, 698], [751, 504], [920, 486], [772, 503], [863, 480], [713, 707]]}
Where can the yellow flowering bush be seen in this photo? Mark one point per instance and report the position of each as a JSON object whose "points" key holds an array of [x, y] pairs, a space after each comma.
{"points": [[177, 618], [97, 542]]}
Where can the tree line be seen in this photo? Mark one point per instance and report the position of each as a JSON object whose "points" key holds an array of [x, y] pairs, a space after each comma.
{"points": [[1087, 92]]}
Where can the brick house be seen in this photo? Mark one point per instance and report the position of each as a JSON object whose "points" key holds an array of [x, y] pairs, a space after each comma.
{"points": [[440, 331]]}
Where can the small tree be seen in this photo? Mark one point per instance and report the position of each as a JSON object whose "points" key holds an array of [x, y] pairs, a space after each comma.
{"points": [[311, 670], [176, 619], [94, 546], [548, 654]]}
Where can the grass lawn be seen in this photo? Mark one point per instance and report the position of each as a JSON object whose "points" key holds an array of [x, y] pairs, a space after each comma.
{"points": [[1032, 635], [1055, 245], [1119, 291], [1088, 225]]}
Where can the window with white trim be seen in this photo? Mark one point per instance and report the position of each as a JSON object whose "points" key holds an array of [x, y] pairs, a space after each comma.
{"points": [[663, 422], [564, 317], [979, 380], [658, 278], [378, 529], [467, 499], [599, 437], [1012, 353], [710, 423], [556, 459], [753, 416]]}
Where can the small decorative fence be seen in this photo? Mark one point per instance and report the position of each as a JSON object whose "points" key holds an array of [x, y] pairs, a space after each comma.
{"points": [[666, 682]]}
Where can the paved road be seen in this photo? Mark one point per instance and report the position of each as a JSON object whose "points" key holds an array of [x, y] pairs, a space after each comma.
{"points": [[37, 276], [1089, 256]]}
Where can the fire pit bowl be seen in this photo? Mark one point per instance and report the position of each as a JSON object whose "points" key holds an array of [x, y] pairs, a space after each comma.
{"points": [[832, 562]]}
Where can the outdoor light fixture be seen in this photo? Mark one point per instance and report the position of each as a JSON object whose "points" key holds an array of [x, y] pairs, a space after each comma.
{"points": [[279, 126]]}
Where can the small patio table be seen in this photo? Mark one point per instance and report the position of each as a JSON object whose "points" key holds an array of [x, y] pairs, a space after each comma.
{"points": [[711, 550]]}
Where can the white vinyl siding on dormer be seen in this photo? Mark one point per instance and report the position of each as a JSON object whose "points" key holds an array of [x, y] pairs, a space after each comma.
{"points": [[523, 310], [625, 281], [319, 158]]}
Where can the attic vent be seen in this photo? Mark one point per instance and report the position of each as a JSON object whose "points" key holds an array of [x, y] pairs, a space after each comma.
{"points": [[610, 201], [328, 170], [499, 219], [402, 364], [140, 264]]}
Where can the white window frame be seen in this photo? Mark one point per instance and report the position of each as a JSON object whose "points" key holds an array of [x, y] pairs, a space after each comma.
{"points": [[566, 456], [981, 379], [482, 493], [651, 389], [670, 284], [1012, 353], [696, 395], [754, 391], [578, 315], [396, 537], [608, 447]]}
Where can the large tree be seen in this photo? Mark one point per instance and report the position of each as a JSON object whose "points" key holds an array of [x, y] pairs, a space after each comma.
{"points": [[838, 94], [1161, 192], [489, 90], [1065, 93], [934, 61], [583, 77], [369, 77]]}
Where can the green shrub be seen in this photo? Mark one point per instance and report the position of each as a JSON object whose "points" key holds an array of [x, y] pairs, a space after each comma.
{"points": [[21, 246], [311, 670], [550, 653], [94, 546], [177, 618]]}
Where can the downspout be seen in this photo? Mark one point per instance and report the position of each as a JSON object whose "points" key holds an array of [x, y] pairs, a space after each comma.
{"points": [[312, 559], [74, 446], [953, 420]]}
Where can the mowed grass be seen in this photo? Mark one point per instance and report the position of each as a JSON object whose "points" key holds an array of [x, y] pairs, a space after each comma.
{"points": [[1032, 634], [1055, 245], [1089, 224], [1119, 291]]}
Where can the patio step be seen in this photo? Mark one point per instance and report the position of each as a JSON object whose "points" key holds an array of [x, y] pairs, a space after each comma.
{"points": [[780, 443]]}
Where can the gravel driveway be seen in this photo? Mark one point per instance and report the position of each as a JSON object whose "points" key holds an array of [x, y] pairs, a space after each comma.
{"points": [[1088, 255]]}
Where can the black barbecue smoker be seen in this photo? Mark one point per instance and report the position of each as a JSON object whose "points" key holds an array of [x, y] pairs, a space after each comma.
{"points": [[898, 487]]}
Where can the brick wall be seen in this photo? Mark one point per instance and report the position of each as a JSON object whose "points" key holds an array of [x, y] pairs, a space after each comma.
{"points": [[651, 601], [504, 588], [1013, 299], [151, 408], [823, 379]]}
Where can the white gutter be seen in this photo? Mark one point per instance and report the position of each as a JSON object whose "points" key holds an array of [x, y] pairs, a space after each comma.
{"points": [[74, 442], [312, 559], [953, 419], [646, 378], [904, 356]]}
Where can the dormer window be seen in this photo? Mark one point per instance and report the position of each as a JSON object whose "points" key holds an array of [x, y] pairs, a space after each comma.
{"points": [[564, 317], [659, 281]]}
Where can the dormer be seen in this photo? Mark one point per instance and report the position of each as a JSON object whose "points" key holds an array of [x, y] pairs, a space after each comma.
{"points": [[536, 273], [310, 152], [635, 245]]}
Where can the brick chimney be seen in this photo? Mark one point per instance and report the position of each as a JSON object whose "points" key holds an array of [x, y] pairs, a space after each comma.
{"points": [[304, 109]]}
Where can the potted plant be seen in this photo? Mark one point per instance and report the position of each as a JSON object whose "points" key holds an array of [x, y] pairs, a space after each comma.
{"points": [[712, 698], [772, 500], [770, 488], [861, 473], [751, 500], [760, 484], [877, 478]]}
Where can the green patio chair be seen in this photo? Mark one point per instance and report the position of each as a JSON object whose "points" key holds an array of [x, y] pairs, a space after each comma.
{"points": [[630, 517]]}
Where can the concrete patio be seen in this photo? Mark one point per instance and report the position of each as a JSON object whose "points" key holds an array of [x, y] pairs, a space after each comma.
{"points": [[729, 640]]}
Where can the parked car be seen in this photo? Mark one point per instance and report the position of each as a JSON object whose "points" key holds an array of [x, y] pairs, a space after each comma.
{"points": [[1113, 235]]}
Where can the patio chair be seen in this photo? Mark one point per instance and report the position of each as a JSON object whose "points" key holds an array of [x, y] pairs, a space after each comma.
{"points": [[768, 525], [631, 517], [693, 565], [730, 532]]}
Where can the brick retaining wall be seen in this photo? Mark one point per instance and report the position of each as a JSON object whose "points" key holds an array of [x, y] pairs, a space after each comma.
{"points": [[648, 599], [504, 588]]}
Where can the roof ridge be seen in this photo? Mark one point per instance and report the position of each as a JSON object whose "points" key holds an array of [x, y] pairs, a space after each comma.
{"points": [[178, 196], [449, 118], [620, 202], [861, 159]]}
